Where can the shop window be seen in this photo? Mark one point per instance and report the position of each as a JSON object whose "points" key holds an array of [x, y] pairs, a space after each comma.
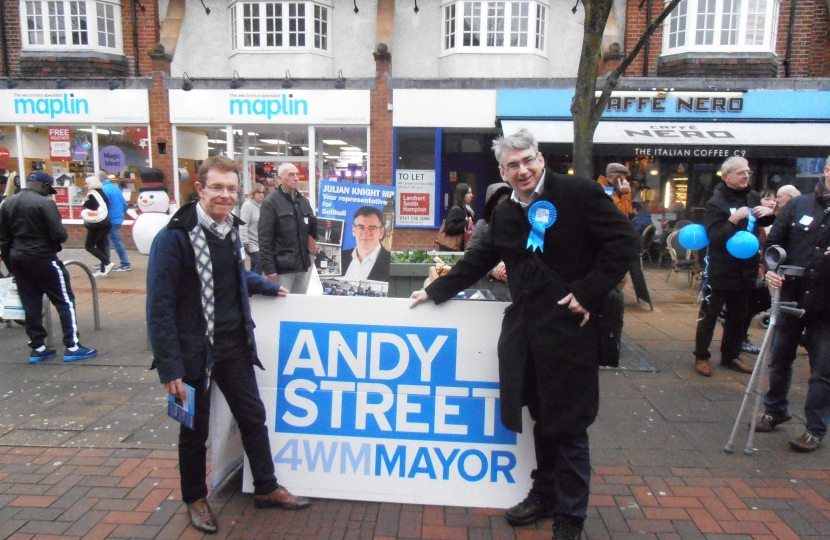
{"points": [[507, 26], [722, 25], [280, 25], [71, 25]]}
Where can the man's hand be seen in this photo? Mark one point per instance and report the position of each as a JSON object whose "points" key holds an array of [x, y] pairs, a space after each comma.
{"points": [[283, 291], [575, 307], [624, 186], [775, 281], [739, 214], [418, 297], [761, 211], [176, 389], [499, 272], [271, 277]]}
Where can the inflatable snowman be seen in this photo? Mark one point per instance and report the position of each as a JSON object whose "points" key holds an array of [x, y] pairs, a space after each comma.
{"points": [[154, 204]]}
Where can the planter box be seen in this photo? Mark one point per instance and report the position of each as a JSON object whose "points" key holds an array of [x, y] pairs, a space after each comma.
{"points": [[404, 278]]}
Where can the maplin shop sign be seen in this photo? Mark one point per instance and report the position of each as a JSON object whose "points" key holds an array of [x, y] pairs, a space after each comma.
{"points": [[74, 107], [281, 104]]}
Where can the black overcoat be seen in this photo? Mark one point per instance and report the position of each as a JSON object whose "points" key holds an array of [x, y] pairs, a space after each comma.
{"points": [[589, 245]]}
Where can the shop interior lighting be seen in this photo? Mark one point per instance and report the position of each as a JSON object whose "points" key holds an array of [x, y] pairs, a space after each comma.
{"points": [[351, 149], [356, 11], [416, 7], [340, 83], [287, 82], [253, 134], [335, 142], [112, 84], [60, 84], [236, 83], [187, 84], [272, 141]]}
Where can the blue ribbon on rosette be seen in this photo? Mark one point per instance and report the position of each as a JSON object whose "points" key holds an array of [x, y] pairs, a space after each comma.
{"points": [[541, 216]]}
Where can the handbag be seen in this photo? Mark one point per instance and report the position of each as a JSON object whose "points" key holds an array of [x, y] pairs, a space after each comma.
{"points": [[98, 215], [453, 243], [468, 231], [609, 319]]}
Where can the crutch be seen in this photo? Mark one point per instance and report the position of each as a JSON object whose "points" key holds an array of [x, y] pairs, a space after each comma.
{"points": [[774, 257]]}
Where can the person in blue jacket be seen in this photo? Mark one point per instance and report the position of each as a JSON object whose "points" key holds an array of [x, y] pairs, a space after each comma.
{"points": [[117, 206], [200, 327]]}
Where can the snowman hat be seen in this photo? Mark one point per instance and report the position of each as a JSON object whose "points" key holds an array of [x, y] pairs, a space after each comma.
{"points": [[152, 179]]}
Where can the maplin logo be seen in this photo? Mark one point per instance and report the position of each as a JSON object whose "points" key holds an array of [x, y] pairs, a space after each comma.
{"points": [[67, 104], [285, 105]]}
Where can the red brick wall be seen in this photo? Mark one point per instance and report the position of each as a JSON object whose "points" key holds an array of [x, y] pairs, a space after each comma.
{"points": [[810, 48], [12, 26], [161, 130]]}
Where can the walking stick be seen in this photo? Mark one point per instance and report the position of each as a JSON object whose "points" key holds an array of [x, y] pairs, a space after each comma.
{"points": [[774, 257]]}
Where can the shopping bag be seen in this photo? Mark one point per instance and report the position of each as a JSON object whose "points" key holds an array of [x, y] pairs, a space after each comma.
{"points": [[11, 308]]}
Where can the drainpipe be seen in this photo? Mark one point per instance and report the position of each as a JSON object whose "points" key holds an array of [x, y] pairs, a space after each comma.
{"points": [[647, 46], [135, 36], [790, 30], [3, 42]]}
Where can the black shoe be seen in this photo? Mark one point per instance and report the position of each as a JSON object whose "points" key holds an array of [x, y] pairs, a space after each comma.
{"points": [[526, 512], [567, 528]]}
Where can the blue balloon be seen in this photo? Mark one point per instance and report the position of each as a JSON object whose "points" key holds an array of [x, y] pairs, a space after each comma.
{"points": [[743, 245], [693, 236]]}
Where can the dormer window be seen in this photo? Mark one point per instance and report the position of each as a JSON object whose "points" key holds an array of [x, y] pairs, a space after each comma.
{"points": [[71, 25], [270, 26], [507, 26], [721, 25]]}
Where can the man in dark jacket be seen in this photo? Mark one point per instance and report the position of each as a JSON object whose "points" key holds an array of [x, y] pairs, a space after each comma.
{"points": [[729, 280], [803, 230], [200, 327], [286, 221], [31, 234], [549, 343]]}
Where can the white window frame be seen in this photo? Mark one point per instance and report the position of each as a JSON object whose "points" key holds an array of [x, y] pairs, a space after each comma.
{"points": [[494, 26], [724, 25], [293, 32], [59, 25]]}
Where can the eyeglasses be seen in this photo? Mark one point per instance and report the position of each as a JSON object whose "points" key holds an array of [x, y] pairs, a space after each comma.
{"points": [[371, 229], [514, 166], [746, 173], [222, 189]]}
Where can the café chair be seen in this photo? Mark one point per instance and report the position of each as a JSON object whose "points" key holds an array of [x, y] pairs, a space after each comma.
{"points": [[682, 259], [645, 242]]}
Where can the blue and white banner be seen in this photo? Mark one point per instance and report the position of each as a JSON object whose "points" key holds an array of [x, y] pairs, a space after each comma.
{"points": [[372, 400]]}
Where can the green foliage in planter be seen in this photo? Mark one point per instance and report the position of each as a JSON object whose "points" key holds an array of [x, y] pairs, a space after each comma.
{"points": [[420, 256]]}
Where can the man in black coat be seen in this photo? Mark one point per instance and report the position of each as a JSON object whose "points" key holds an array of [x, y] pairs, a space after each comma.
{"points": [[803, 230], [287, 226], [729, 280], [549, 343]]}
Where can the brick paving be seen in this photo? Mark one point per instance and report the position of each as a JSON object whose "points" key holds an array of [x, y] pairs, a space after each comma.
{"points": [[86, 450]]}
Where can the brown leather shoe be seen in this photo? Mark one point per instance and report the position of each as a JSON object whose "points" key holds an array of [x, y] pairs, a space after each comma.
{"points": [[281, 498], [737, 365], [702, 367], [201, 517]]}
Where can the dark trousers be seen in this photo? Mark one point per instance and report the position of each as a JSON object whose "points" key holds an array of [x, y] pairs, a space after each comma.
{"points": [[734, 326], [784, 344], [36, 277], [562, 476], [256, 262], [97, 244], [234, 375]]}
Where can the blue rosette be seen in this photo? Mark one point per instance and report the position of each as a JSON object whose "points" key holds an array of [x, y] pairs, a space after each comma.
{"points": [[541, 215]]}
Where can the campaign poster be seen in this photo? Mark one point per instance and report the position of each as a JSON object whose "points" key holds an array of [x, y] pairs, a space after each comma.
{"points": [[354, 236], [376, 401], [415, 203]]}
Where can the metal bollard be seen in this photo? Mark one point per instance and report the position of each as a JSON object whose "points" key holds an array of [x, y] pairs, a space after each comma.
{"points": [[47, 306]]}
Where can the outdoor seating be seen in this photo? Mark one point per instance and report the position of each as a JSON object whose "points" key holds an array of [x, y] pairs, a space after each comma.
{"points": [[645, 242], [683, 260]]}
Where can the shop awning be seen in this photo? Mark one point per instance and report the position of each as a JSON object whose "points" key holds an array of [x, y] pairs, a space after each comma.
{"points": [[689, 139]]}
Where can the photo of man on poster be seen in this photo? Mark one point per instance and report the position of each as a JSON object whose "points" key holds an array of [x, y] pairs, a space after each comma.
{"points": [[368, 260]]}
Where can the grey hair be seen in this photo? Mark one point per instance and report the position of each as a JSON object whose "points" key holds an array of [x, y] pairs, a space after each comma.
{"points": [[788, 190], [284, 165], [102, 175], [731, 162], [521, 140], [93, 182]]}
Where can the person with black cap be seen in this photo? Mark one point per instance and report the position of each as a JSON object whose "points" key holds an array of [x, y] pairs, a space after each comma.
{"points": [[31, 234]]}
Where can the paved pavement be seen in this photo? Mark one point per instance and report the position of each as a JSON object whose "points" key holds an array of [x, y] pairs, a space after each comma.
{"points": [[87, 451]]}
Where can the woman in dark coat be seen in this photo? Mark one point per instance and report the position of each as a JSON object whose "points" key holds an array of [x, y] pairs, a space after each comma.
{"points": [[461, 215], [97, 227], [496, 279]]}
